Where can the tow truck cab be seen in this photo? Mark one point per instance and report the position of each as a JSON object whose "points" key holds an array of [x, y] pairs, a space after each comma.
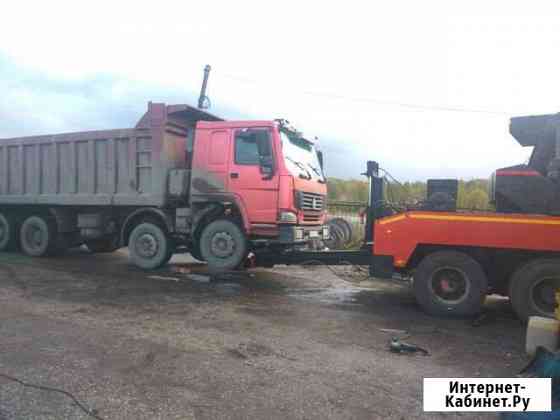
{"points": [[267, 170]]}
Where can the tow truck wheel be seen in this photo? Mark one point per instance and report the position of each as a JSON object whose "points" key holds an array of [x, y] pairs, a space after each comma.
{"points": [[223, 245], [149, 246], [532, 288], [8, 235], [38, 236], [450, 283]]}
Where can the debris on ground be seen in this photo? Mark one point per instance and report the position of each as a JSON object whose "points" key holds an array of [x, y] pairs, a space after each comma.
{"points": [[398, 346], [483, 318], [393, 331]]}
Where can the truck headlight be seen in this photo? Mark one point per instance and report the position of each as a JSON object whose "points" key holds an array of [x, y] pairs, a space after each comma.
{"points": [[287, 217]]}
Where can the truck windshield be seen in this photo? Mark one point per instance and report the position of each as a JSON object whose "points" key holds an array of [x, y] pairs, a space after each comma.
{"points": [[301, 157]]}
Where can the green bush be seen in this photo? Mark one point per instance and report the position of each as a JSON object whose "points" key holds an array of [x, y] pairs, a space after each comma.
{"points": [[472, 194]]}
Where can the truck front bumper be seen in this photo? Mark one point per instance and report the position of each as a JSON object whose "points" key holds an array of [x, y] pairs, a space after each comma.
{"points": [[300, 234]]}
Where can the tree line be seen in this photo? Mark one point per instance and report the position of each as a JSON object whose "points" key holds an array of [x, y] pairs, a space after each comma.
{"points": [[472, 194]]}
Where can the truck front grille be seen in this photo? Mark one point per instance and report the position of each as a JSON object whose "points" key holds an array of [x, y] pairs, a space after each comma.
{"points": [[311, 217], [310, 202]]}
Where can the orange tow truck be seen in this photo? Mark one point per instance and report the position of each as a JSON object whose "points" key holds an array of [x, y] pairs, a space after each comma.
{"points": [[457, 257]]}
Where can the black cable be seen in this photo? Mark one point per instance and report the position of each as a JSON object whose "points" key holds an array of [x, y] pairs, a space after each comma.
{"points": [[389, 189], [391, 176], [342, 276], [399, 207], [90, 412], [421, 107]]}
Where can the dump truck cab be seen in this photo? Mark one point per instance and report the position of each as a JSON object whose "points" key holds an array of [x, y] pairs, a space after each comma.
{"points": [[267, 171], [238, 186]]}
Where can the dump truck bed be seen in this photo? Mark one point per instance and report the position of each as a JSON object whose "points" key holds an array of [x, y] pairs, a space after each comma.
{"points": [[86, 168], [111, 167]]}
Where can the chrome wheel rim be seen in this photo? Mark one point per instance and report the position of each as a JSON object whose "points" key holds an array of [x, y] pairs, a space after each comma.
{"points": [[147, 246], [222, 245], [34, 237]]}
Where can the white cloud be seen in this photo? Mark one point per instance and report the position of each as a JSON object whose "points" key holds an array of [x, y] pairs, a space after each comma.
{"points": [[478, 55]]}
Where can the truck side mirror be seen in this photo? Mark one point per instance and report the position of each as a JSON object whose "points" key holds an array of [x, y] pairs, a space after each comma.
{"points": [[320, 158], [266, 160]]}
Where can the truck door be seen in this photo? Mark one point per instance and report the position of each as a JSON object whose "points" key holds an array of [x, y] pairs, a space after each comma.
{"points": [[253, 174]]}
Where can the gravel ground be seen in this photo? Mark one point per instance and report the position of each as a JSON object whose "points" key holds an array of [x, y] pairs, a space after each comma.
{"points": [[296, 343]]}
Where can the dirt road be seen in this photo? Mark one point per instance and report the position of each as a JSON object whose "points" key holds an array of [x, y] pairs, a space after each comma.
{"points": [[173, 344]]}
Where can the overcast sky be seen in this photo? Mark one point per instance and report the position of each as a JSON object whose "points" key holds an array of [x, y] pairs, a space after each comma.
{"points": [[371, 79]]}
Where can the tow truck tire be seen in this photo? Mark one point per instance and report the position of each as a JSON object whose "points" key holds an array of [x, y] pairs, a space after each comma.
{"points": [[8, 233], [223, 245], [450, 283], [532, 288], [38, 237], [149, 246]]}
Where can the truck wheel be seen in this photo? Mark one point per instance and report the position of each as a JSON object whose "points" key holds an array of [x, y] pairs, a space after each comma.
{"points": [[223, 245], [170, 252], [195, 251], [450, 283], [149, 246], [37, 237], [344, 226], [8, 233], [336, 239], [168, 257], [532, 288], [105, 245]]}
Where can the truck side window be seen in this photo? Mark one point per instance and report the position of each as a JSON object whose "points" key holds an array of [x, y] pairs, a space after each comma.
{"points": [[251, 145]]}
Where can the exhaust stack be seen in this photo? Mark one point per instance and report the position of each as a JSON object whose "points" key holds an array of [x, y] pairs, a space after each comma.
{"points": [[203, 100]]}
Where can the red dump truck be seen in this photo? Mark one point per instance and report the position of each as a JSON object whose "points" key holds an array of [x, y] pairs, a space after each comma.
{"points": [[181, 180]]}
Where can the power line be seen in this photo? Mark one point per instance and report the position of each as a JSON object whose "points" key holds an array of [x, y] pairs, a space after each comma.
{"points": [[414, 106]]}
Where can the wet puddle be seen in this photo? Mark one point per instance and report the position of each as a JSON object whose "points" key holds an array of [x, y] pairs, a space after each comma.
{"points": [[335, 295]]}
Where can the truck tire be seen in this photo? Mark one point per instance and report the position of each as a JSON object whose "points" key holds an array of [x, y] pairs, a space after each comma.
{"points": [[168, 257], [8, 233], [336, 238], [450, 283], [195, 251], [223, 245], [105, 245], [170, 252], [345, 226], [38, 237], [149, 246], [532, 288]]}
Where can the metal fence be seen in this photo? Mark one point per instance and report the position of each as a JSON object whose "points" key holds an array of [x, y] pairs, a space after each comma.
{"points": [[348, 210]]}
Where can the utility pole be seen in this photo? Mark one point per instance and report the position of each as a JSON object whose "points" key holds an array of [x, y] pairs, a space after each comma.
{"points": [[203, 100]]}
